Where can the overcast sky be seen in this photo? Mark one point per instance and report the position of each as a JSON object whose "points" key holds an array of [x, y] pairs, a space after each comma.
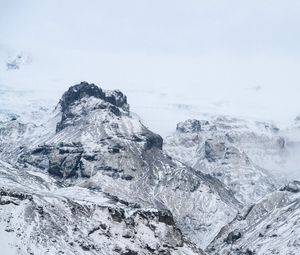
{"points": [[174, 59]]}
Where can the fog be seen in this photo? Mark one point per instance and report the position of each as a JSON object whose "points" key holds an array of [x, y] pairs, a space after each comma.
{"points": [[173, 59]]}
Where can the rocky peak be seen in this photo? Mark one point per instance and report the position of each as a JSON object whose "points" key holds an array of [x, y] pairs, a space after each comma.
{"points": [[117, 98], [82, 98], [85, 89], [189, 126], [79, 91]]}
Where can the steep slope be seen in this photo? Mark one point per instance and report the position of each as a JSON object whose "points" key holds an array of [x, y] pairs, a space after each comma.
{"points": [[271, 226], [39, 215], [220, 147], [98, 143], [17, 137]]}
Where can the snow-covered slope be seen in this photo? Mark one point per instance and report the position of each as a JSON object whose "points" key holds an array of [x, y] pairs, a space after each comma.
{"points": [[15, 135], [39, 215], [90, 178], [237, 153], [97, 143], [222, 146], [271, 226]]}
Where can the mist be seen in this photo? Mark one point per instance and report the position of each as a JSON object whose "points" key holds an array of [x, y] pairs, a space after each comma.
{"points": [[173, 60]]}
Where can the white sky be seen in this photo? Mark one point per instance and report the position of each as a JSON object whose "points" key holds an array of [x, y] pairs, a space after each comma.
{"points": [[174, 59]]}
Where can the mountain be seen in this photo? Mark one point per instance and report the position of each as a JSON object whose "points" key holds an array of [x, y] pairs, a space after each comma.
{"points": [[237, 152], [271, 226], [230, 150], [41, 215], [91, 178], [92, 142]]}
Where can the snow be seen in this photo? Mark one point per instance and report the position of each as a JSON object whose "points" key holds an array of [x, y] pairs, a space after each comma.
{"points": [[224, 148], [7, 240], [135, 175]]}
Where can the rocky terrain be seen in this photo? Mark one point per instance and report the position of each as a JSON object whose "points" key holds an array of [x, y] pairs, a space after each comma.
{"points": [[93, 179], [39, 215], [231, 150], [270, 226], [242, 154]]}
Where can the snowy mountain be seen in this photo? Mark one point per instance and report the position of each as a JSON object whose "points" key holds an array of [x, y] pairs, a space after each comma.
{"points": [[237, 152], [269, 227], [40, 215], [230, 149], [91, 178], [94, 142]]}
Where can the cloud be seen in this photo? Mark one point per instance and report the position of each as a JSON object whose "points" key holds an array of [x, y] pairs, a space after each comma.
{"points": [[192, 52]]}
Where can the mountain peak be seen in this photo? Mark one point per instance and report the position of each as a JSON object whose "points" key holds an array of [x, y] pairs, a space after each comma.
{"points": [[85, 97], [79, 91], [85, 89]]}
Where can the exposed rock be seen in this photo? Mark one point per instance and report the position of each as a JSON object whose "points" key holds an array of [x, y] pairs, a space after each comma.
{"points": [[111, 100], [233, 236], [117, 214], [293, 187], [127, 177], [166, 217], [58, 223], [152, 140], [77, 92], [61, 161], [117, 98], [189, 126], [270, 226], [100, 150], [129, 252], [214, 150], [224, 148], [116, 191]]}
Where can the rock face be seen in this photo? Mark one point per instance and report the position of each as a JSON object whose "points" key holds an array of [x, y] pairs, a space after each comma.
{"points": [[214, 150], [74, 102], [269, 227], [220, 147], [99, 145], [93, 179], [293, 186], [233, 237], [152, 140], [73, 220], [77, 92]]}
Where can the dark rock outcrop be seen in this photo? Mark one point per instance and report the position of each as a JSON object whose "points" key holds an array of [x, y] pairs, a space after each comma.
{"points": [[152, 140], [78, 92], [63, 161], [293, 187], [233, 236], [117, 98], [112, 100]]}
